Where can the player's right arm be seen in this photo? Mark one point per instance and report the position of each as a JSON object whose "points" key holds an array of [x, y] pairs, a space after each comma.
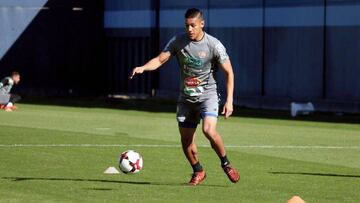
{"points": [[153, 64]]}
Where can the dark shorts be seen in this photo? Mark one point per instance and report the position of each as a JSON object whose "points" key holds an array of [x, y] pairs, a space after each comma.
{"points": [[189, 114]]}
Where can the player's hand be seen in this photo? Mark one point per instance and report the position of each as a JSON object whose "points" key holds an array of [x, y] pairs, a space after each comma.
{"points": [[227, 110], [137, 70]]}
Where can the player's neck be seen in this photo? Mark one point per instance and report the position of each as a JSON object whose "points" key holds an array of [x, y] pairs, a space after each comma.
{"points": [[200, 37]]}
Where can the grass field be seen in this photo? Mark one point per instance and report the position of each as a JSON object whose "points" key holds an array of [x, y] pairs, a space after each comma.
{"points": [[320, 161]]}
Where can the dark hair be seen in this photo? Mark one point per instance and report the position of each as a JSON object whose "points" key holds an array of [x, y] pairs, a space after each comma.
{"points": [[15, 73], [193, 13]]}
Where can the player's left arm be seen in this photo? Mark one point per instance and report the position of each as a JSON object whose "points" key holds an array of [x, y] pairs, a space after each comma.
{"points": [[229, 75]]}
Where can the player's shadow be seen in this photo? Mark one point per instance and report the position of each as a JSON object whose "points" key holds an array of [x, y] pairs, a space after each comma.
{"points": [[99, 189], [103, 181], [74, 180], [316, 174]]}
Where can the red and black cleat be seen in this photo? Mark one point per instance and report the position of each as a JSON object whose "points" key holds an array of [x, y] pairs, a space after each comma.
{"points": [[232, 173], [197, 178]]}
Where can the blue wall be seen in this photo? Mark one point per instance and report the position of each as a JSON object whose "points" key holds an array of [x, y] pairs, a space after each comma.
{"points": [[54, 46], [281, 50]]}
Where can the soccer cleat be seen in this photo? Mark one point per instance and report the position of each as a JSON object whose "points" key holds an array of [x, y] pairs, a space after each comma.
{"points": [[197, 178], [232, 173], [2, 106], [14, 107]]}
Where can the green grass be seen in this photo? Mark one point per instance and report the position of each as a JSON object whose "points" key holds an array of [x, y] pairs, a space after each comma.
{"points": [[75, 174]]}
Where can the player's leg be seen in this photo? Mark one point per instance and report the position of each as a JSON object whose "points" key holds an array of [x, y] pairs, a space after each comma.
{"points": [[190, 151], [209, 130], [14, 98], [188, 121], [209, 113], [5, 101], [188, 144]]}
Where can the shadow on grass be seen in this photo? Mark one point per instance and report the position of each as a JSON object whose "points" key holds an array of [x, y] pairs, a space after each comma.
{"points": [[316, 174], [99, 189], [169, 106], [103, 181]]}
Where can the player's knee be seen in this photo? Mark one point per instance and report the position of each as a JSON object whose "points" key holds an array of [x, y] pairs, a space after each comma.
{"points": [[186, 140], [209, 132]]}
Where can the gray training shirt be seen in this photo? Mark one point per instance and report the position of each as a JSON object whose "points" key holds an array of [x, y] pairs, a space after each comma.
{"points": [[198, 61]]}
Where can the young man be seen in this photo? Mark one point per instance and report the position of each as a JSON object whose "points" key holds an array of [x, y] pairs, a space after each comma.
{"points": [[198, 55], [7, 100]]}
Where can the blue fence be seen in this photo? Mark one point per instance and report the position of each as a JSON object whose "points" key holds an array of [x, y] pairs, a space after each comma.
{"points": [[281, 50]]}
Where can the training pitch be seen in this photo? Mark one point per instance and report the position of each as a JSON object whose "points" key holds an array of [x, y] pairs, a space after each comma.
{"points": [[50, 153]]}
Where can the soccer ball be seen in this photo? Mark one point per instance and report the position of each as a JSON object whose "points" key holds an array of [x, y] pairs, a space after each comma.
{"points": [[130, 162]]}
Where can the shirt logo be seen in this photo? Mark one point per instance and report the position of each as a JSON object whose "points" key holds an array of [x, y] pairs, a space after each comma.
{"points": [[202, 54], [192, 82], [191, 61]]}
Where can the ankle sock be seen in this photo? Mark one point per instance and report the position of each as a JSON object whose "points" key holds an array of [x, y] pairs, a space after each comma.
{"points": [[197, 167], [224, 161]]}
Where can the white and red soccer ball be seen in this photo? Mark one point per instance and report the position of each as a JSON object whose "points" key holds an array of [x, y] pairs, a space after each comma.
{"points": [[130, 162]]}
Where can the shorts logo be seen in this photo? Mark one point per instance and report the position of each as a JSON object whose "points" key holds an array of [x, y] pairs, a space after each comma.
{"points": [[181, 119], [192, 82]]}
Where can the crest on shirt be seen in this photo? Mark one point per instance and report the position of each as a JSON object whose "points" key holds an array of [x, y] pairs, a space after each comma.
{"points": [[202, 54]]}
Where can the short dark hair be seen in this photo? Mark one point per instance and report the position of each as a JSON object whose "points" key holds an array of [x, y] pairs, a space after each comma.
{"points": [[193, 13], [14, 73]]}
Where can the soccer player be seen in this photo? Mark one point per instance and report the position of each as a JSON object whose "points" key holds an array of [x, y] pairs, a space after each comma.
{"points": [[198, 54], [7, 99]]}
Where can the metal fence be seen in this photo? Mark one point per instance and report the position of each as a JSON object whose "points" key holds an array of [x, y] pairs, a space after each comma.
{"points": [[281, 50]]}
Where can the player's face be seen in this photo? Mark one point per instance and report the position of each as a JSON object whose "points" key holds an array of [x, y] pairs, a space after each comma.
{"points": [[16, 79], [194, 28]]}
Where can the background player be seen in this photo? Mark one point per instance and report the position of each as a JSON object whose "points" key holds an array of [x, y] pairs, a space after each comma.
{"points": [[7, 100], [198, 54]]}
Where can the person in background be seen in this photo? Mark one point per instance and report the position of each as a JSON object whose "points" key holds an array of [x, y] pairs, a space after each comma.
{"points": [[7, 100]]}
